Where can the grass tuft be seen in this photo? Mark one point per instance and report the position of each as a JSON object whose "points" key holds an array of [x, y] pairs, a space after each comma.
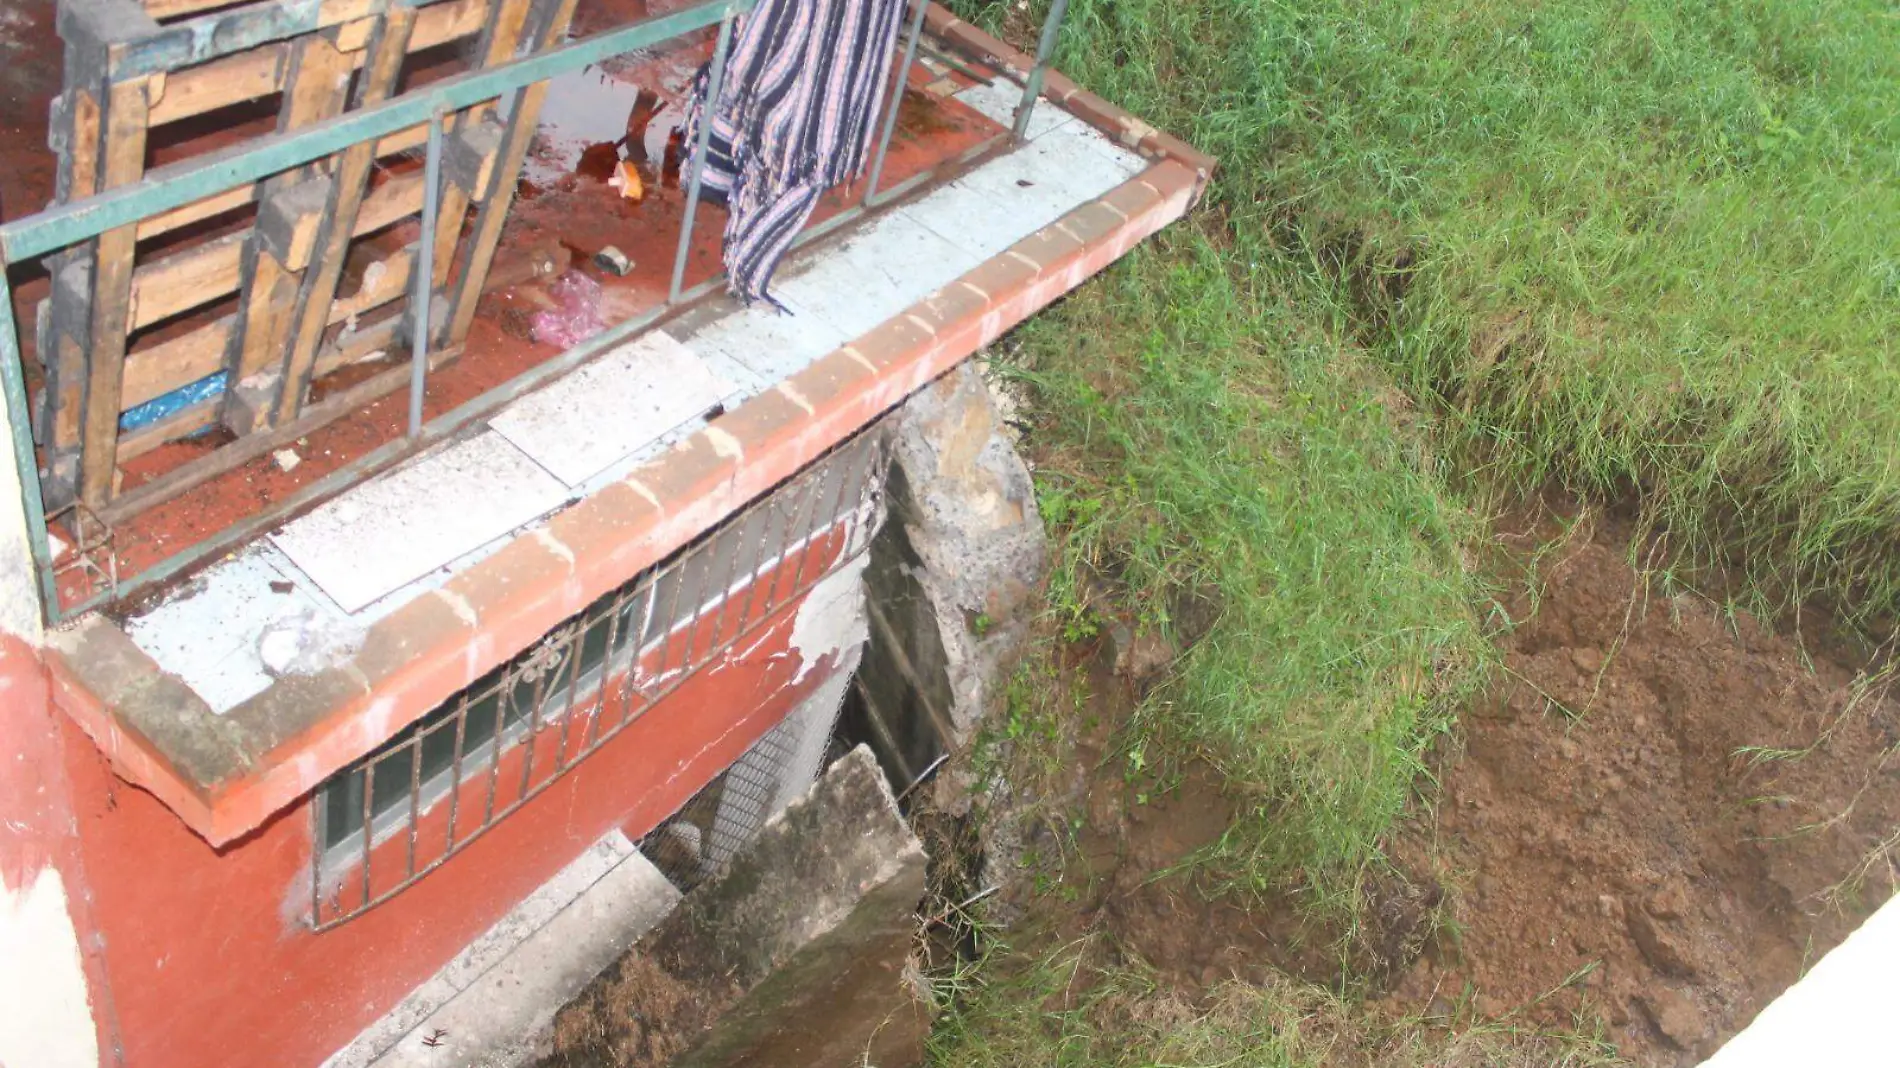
{"points": [[1057, 1009]]}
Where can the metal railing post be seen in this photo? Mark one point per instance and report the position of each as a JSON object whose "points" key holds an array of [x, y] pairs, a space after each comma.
{"points": [[714, 83], [25, 464], [897, 100], [421, 304], [1045, 50]]}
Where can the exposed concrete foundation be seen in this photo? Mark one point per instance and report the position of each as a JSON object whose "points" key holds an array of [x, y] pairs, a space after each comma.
{"points": [[953, 580], [796, 954]]}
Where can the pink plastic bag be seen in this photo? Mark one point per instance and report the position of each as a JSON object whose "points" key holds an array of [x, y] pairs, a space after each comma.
{"points": [[576, 315]]}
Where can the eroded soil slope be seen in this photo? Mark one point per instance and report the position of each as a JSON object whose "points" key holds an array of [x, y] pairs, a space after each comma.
{"points": [[1656, 818], [1616, 834]]}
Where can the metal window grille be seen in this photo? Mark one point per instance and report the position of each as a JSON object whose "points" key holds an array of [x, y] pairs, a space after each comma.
{"points": [[402, 811]]}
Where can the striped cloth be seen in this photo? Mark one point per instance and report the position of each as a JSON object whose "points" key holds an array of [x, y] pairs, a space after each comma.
{"points": [[796, 108]]}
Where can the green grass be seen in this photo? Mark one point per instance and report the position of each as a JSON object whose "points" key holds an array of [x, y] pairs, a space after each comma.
{"points": [[1644, 245], [1197, 433], [1637, 246], [1638, 249]]}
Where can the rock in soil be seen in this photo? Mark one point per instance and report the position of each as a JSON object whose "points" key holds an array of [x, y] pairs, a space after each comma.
{"points": [[1681, 1023]]}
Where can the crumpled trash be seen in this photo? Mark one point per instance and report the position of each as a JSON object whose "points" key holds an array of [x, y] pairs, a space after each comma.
{"points": [[575, 316]]}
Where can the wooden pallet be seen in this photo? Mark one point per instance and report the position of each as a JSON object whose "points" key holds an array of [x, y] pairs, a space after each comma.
{"points": [[247, 283]]}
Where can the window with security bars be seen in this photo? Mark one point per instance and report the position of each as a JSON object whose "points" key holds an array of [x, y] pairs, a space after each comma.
{"points": [[405, 809]]}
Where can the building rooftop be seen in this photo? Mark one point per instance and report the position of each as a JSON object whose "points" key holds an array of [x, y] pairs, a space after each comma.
{"points": [[240, 685]]}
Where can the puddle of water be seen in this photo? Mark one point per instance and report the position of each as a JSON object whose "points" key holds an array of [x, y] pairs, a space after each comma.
{"points": [[586, 123]]}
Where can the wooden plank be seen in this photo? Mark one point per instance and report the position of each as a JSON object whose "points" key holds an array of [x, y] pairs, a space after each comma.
{"points": [[263, 71], [199, 211], [398, 198], [185, 280], [136, 443], [78, 139], [351, 176], [213, 270], [234, 30], [499, 44], [158, 369], [221, 83], [319, 88], [400, 141], [166, 9], [123, 162], [479, 253]]}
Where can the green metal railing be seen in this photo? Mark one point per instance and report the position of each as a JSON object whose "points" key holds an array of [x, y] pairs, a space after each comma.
{"points": [[177, 185]]}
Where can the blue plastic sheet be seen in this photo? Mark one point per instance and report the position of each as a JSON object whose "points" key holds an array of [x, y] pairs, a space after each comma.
{"points": [[163, 407]]}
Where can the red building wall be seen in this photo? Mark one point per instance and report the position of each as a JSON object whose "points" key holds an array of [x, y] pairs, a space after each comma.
{"points": [[208, 956]]}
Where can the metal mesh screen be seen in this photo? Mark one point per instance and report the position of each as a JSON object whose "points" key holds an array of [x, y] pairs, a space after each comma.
{"points": [[402, 811], [728, 813]]}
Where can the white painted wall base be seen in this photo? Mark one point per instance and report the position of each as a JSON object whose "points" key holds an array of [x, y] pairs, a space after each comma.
{"points": [[45, 1012], [493, 1006]]}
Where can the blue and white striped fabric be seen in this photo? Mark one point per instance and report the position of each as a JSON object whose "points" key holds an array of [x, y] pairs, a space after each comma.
{"points": [[800, 97]]}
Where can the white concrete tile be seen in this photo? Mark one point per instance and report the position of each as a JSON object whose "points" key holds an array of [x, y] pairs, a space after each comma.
{"points": [[997, 102], [1107, 163], [875, 273], [742, 381], [1009, 198], [773, 345], [206, 632], [633, 461], [394, 529], [611, 407]]}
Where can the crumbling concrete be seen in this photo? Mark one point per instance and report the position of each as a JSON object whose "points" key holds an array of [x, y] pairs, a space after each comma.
{"points": [[954, 580], [796, 954]]}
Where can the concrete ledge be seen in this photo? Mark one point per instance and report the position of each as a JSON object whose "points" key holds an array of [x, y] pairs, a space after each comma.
{"points": [[1836, 1015]]}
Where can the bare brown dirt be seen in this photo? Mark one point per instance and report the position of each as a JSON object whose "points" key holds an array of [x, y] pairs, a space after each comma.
{"points": [[666, 1017], [1656, 818], [1619, 840]]}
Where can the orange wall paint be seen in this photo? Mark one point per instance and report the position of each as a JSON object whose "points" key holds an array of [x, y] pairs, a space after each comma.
{"points": [[208, 954]]}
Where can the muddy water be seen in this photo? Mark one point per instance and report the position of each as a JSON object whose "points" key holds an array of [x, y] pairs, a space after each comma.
{"points": [[595, 117]]}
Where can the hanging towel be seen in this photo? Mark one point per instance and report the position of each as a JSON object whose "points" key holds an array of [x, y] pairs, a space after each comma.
{"points": [[803, 82]]}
